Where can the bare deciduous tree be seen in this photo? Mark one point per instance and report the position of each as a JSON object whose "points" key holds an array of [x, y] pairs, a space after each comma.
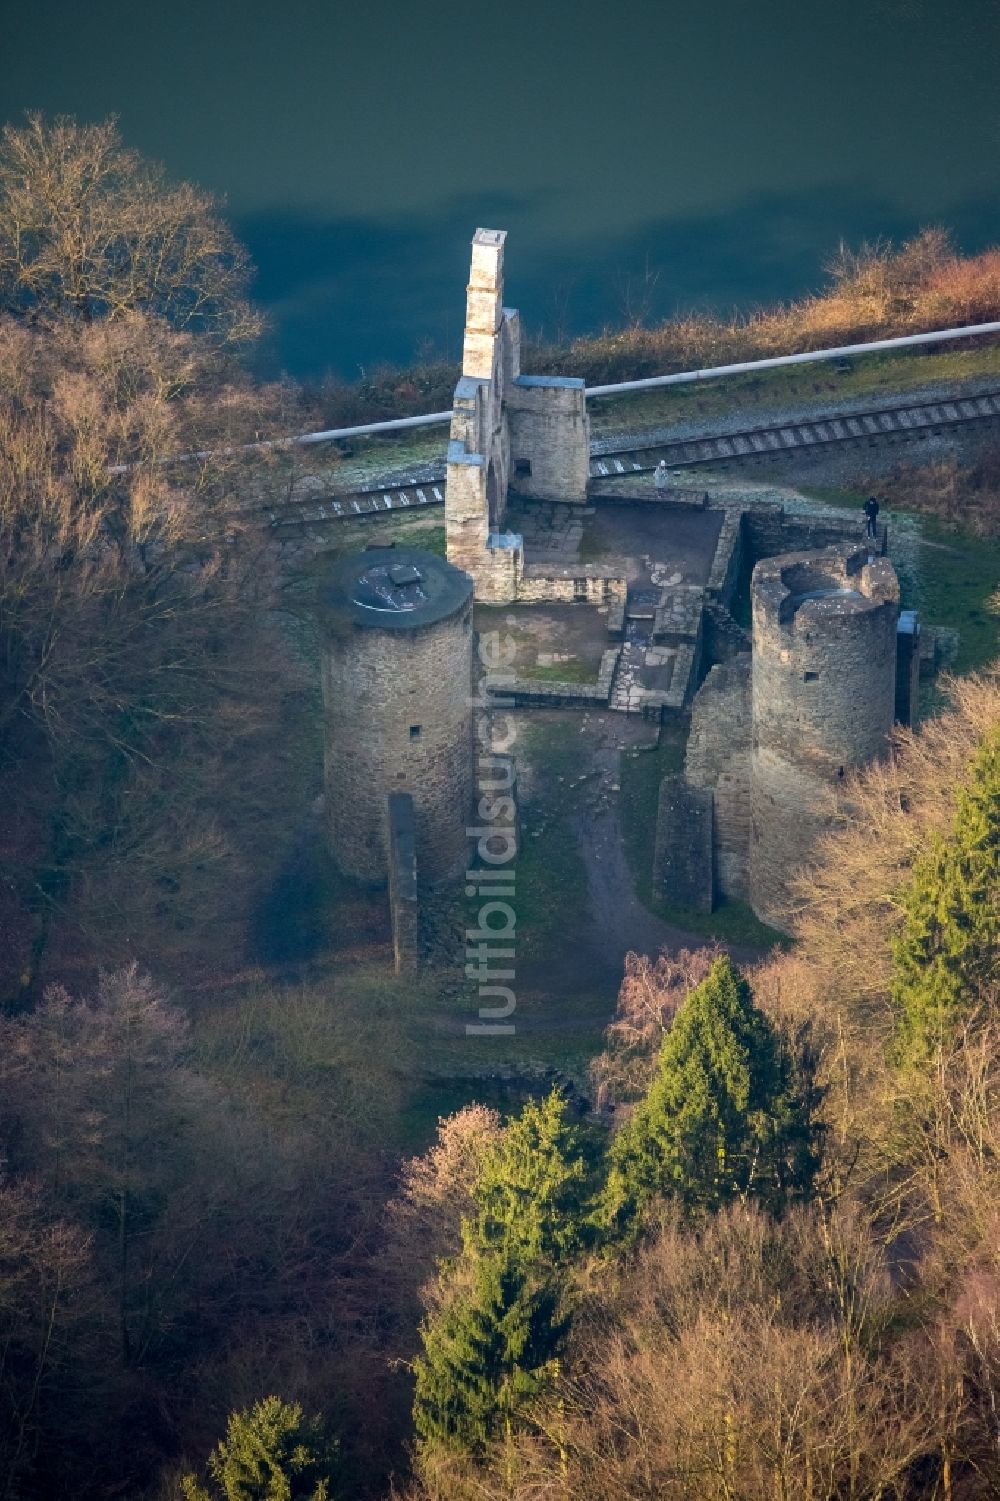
{"points": [[92, 230]]}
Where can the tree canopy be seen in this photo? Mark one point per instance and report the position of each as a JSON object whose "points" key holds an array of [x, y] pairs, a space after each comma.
{"points": [[721, 1120], [271, 1452], [948, 950], [90, 230]]}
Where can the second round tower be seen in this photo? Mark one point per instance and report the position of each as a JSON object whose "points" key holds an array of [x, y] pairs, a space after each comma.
{"points": [[824, 665]]}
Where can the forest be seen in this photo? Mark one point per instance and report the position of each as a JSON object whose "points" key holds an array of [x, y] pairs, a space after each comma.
{"points": [[757, 1251]]}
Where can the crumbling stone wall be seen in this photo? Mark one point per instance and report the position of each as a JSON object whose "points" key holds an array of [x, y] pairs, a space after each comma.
{"points": [[587, 583], [527, 433], [718, 761], [770, 530], [723, 637], [824, 677]]}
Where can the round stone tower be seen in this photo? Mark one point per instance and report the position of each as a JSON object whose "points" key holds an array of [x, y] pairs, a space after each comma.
{"points": [[824, 665], [397, 689]]}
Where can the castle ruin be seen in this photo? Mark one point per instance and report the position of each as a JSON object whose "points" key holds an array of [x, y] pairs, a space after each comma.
{"points": [[524, 434], [776, 722]]}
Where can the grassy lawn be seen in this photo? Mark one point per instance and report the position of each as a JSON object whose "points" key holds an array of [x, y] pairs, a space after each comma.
{"points": [[551, 874], [573, 671], [544, 636], [641, 773]]}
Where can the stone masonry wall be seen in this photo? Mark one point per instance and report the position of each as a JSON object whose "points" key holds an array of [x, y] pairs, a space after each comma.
{"points": [[549, 437], [586, 583], [724, 639], [404, 909], [718, 761], [399, 719], [479, 447], [769, 530], [508, 432]]}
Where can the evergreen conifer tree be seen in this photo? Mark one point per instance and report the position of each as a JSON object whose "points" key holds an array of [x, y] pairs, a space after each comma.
{"points": [[530, 1188], [722, 1118], [949, 947], [486, 1353], [491, 1345], [271, 1452]]}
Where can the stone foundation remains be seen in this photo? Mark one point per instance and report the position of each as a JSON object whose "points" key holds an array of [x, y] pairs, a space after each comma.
{"points": [[774, 733]]}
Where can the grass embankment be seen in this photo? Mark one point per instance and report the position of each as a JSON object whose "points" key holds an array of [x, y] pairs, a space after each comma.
{"points": [[867, 378], [955, 585]]}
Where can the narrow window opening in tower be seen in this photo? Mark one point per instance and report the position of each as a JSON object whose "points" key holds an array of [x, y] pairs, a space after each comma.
{"points": [[840, 771], [811, 677], [414, 732], [522, 468]]}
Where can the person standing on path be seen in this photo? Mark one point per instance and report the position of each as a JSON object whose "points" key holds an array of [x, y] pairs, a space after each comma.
{"points": [[871, 509], [661, 479]]}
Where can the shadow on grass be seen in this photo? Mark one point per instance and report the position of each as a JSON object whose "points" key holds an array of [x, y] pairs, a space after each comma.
{"points": [[311, 910]]}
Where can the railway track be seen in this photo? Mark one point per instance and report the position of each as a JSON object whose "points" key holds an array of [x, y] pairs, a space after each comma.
{"points": [[874, 427]]}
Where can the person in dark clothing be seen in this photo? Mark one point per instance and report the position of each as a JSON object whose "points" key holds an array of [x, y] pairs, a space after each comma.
{"points": [[871, 516]]}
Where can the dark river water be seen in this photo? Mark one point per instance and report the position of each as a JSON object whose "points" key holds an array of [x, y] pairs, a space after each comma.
{"points": [[645, 155]]}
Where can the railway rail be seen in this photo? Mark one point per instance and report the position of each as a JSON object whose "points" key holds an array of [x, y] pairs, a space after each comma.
{"points": [[612, 460]]}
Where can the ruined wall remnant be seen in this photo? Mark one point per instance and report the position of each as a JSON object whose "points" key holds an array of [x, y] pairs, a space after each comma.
{"points": [[527, 433], [404, 910], [907, 667], [549, 437], [397, 674], [682, 855], [718, 761], [581, 583], [824, 679]]}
